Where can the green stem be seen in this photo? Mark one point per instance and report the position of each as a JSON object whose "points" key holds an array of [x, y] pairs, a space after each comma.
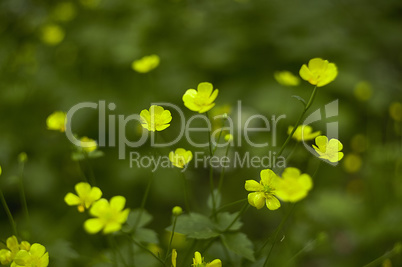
{"points": [[231, 204], [211, 171], [186, 193], [395, 251], [223, 172], [22, 194], [91, 171], [143, 202], [147, 250], [310, 102], [116, 251], [8, 212], [279, 229], [171, 238], [243, 209]]}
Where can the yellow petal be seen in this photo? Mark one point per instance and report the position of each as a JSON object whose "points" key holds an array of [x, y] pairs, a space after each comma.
{"points": [[117, 203], [267, 177], [215, 263], [37, 250], [213, 96], [99, 207], [111, 227], [321, 142], [256, 199], [291, 172], [252, 185], [305, 73], [335, 144], [205, 89], [93, 226], [72, 199], [273, 203], [83, 189]]}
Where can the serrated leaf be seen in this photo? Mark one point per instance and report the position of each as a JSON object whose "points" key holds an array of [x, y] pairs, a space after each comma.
{"points": [[300, 99], [132, 220], [239, 244], [146, 235], [224, 219], [196, 226]]}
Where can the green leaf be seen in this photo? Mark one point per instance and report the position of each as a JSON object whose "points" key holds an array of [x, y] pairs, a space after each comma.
{"points": [[76, 156], [239, 244], [132, 220], [146, 235], [95, 154], [196, 226], [224, 219], [217, 199]]}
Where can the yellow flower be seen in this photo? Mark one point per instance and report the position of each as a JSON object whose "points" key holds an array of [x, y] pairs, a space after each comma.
{"points": [[180, 157], [198, 261], [156, 119], [352, 163], [86, 196], [201, 100], [319, 72], [174, 257], [57, 121], [52, 34], [88, 145], [8, 255], [110, 215], [146, 64], [35, 257], [286, 78], [328, 150], [293, 186], [303, 133], [265, 191], [228, 138]]}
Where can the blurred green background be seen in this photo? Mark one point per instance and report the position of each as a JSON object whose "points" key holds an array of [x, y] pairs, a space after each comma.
{"points": [[55, 54]]}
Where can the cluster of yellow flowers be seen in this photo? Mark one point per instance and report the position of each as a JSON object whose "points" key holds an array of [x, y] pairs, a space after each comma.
{"points": [[23, 254], [109, 215], [198, 260]]}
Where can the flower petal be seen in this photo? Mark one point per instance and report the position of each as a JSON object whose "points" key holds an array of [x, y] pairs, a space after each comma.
{"points": [[256, 199], [72, 199], [93, 226], [252, 185], [117, 203], [37, 250], [267, 176], [273, 203]]}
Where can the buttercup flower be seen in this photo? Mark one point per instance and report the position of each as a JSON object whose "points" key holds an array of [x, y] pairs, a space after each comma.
{"points": [[294, 185], [146, 64], [110, 215], [319, 72], [303, 133], [156, 119], [180, 157], [265, 191], [177, 211], [35, 257], [286, 78], [13, 247], [328, 150], [88, 145], [86, 196], [57, 121], [198, 261], [201, 100]]}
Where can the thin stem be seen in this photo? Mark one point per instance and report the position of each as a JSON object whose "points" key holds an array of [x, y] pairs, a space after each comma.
{"points": [[231, 204], [243, 209], [116, 251], [8, 212], [395, 251], [171, 238], [143, 202], [211, 171], [186, 193], [147, 250], [310, 102], [279, 229], [22, 194], [223, 171], [91, 171]]}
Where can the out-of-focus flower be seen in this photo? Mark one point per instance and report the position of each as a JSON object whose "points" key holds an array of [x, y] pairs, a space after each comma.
{"points": [[265, 191], [146, 64], [363, 91], [177, 211], [57, 121], [35, 257], [64, 11], [22, 157], [294, 186], [359, 143], [286, 78], [303, 133], [198, 261], [180, 157], [228, 138], [88, 145], [13, 247], [52, 34], [174, 257], [328, 150], [156, 119], [109, 215], [86, 196], [202, 99], [352, 163], [395, 111], [319, 72]]}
